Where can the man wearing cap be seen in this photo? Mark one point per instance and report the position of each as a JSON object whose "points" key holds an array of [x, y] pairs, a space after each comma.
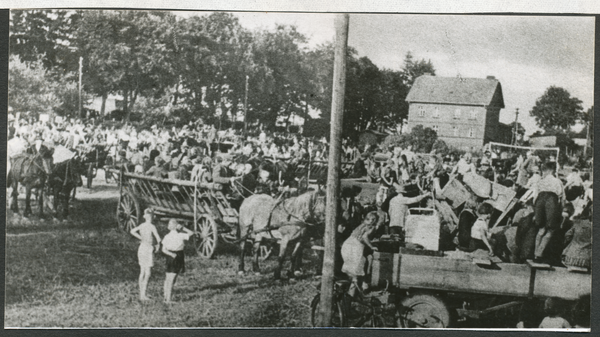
{"points": [[38, 146], [399, 207], [146, 233]]}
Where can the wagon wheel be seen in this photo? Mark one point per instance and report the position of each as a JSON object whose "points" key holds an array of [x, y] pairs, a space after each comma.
{"points": [[423, 311], [128, 212], [206, 236]]}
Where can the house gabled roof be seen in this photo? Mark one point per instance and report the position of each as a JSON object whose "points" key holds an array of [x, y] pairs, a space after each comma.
{"points": [[456, 90]]}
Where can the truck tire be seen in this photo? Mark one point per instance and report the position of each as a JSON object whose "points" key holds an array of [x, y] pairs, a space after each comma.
{"points": [[423, 310]]}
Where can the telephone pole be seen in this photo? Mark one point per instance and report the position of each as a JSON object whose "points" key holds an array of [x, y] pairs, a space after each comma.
{"points": [[80, 76], [515, 128], [246, 109], [333, 178]]}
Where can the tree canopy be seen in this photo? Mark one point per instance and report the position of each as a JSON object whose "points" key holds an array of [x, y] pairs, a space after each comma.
{"points": [[556, 109], [178, 69]]}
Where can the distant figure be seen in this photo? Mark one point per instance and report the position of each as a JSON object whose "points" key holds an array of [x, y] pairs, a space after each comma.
{"points": [[145, 232]]}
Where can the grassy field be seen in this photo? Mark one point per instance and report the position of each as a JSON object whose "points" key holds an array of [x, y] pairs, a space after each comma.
{"points": [[83, 273]]}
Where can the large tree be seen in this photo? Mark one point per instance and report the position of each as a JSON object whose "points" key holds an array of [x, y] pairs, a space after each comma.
{"points": [[126, 52], [31, 90], [414, 68], [556, 109], [47, 35], [280, 83]]}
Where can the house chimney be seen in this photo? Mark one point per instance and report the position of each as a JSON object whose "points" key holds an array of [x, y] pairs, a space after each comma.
{"points": [[490, 77]]}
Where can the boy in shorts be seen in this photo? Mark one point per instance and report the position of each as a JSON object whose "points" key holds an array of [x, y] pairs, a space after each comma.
{"points": [[172, 245], [145, 232]]}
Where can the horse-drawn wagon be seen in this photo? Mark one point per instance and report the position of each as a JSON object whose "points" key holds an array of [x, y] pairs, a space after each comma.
{"points": [[201, 205]]}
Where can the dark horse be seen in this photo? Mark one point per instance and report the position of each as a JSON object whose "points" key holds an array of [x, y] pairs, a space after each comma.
{"points": [[293, 218], [65, 177], [32, 172]]}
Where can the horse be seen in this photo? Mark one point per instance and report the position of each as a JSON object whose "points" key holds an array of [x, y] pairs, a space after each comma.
{"points": [[294, 218], [32, 172], [65, 177]]}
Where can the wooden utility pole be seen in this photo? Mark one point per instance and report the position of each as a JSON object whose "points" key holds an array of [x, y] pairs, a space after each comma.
{"points": [[80, 77], [333, 171], [516, 128], [246, 110]]}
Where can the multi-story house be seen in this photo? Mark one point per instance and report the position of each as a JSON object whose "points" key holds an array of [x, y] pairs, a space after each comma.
{"points": [[464, 112]]}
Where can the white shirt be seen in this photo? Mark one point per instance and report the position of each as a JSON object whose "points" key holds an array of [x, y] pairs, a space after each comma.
{"points": [[175, 241]]}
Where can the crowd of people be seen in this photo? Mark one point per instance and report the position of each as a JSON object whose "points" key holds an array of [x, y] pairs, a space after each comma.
{"points": [[552, 222]]}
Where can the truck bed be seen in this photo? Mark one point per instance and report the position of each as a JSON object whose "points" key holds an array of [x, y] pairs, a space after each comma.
{"points": [[407, 271]]}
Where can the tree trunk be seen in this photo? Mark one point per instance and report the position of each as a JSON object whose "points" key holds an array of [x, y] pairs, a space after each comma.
{"points": [[126, 105], [103, 106]]}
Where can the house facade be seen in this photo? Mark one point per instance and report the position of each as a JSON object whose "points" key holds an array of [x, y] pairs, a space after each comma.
{"points": [[464, 112]]}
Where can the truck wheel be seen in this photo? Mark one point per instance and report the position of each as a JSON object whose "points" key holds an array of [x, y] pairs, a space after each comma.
{"points": [[423, 311]]}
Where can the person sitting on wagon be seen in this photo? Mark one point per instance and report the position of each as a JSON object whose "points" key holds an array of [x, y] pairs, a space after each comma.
{"points": [[353, 250], [158, 170], [480, 233], [574, 185]]}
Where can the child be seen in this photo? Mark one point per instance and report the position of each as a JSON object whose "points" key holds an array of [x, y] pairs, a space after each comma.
{"points": [[172, 245], [353, 248], [145, 232], [553, 320], [480, 231]]}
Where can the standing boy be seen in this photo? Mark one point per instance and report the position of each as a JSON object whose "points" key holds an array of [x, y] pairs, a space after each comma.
{"points": [[172, 245], [145, 232]]}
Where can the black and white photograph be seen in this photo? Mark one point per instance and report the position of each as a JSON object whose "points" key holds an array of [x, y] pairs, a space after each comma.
{"points": [[239, 169]]}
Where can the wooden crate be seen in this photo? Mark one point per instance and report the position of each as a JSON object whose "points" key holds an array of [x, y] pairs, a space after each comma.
{"points": [[422, 227], [455, 193]]}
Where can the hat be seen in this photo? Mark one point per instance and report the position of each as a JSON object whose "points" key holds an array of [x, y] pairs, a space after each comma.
{"points": [[148, 211]]}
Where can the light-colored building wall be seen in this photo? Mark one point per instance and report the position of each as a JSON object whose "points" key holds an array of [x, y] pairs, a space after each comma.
{"points": [[458, 125]]}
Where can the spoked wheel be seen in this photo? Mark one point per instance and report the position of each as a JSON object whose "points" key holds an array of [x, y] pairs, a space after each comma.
{"points": [[128, 212], [423, 311], [338, 315], [206, 236]]}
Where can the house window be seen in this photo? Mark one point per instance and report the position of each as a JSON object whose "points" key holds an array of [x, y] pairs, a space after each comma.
{"points": [[421, 111], [471, 133], [436, 128], [455, 131], [456, 113], [473, 114], [436, 112]]}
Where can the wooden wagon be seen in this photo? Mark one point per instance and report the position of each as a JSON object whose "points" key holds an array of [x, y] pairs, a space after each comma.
{"points": [[202, 206]]}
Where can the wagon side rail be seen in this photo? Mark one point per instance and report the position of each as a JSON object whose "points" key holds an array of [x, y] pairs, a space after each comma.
{"points": [[175, 197]]}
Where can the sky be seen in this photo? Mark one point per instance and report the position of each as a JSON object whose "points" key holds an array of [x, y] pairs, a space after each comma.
{"points": [[527, 54]]}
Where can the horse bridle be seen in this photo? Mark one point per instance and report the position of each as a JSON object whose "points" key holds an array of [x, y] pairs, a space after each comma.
{"points": [[32, 161]]}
